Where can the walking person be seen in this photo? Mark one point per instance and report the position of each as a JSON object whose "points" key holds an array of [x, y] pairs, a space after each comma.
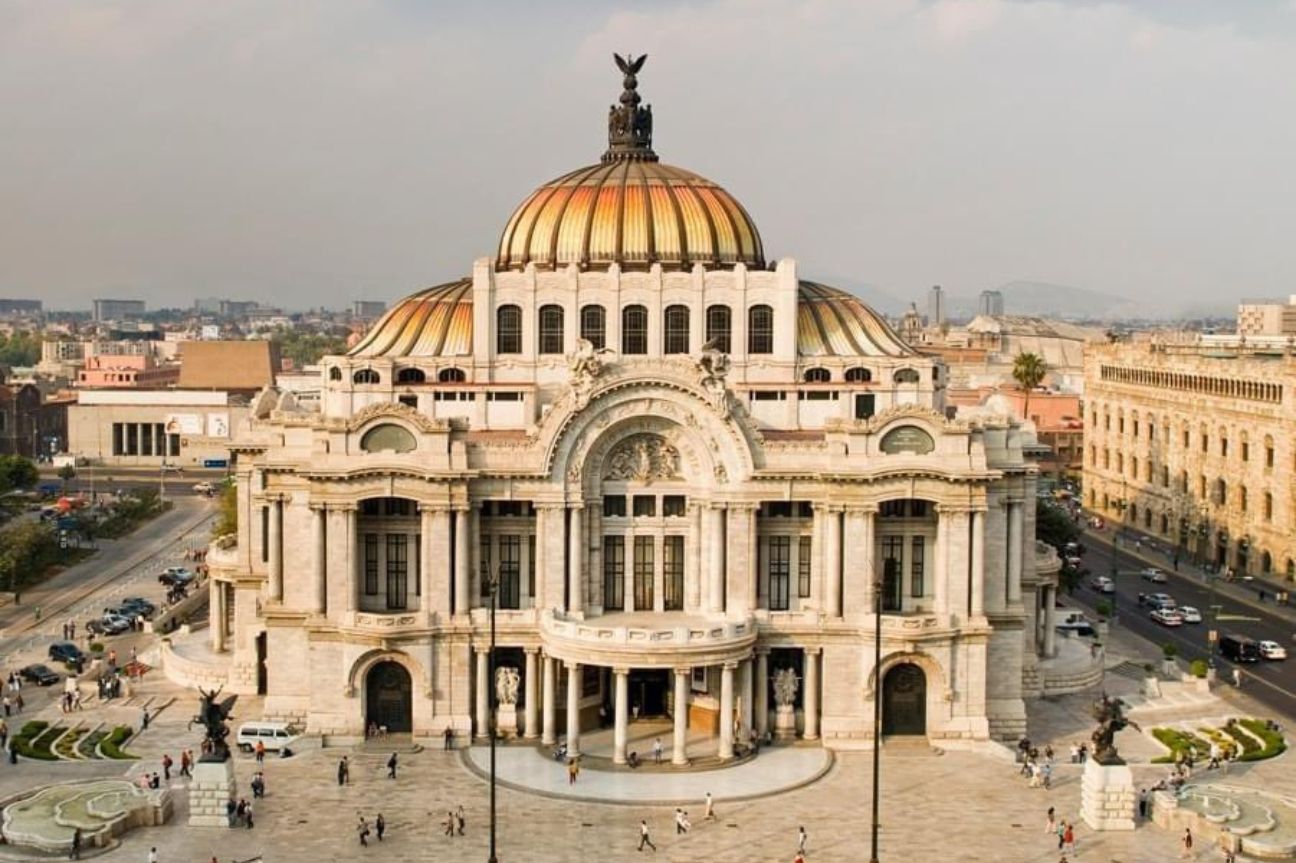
{"points": [[391, 766], [363, 831], [380, 826], [708, 812], [152, 855], [186, 764], [657, 751], [449, 738], [459, 820], [344, 771], [1187, 851], [75, 853], [247, 814], [449, 824], [1050, 825], [1068, 840], [801, 840], [679, 822], [573, 770], [644, 838], [260, 753], [166, 766]]}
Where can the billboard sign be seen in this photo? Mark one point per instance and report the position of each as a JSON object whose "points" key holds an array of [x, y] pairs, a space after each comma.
{"points": [[218, 425], [187, 424]]}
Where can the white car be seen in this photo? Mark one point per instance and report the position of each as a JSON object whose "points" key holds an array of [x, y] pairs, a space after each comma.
{"points": [[1167, 617], [1153, 575], [1190, 614], [1103, 584], [1272, 650]]}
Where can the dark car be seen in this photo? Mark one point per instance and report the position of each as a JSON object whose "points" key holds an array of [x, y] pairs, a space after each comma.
{"points": [[133, 608], [109, 624], [140, 601], [1239, 648], [66, 651], [39, 674]]}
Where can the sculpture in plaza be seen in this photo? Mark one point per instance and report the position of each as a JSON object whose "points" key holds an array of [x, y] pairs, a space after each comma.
{"points": [[506, 685], [212, 717], [785, 687], [1110, 713]]}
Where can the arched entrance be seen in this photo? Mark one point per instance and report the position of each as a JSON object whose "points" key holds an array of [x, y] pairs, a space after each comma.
{"points": [[389, 698], [904, 700]]}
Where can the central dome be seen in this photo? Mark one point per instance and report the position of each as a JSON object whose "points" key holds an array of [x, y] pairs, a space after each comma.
{"points": [[630, 209]]}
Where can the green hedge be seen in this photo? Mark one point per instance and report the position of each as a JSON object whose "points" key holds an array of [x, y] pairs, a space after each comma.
{"points": [[1180, 743], [111, 745], [1274, 744], [27, 741]]}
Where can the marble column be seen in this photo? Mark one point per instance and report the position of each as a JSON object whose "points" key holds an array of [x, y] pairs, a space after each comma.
{"points": [[868, 524], [575, 561], [832, 562], [715, 516], [811, 695], [427, 527], [752, 580], [1050, 621], [549, 694], [727, 710], [693, 561], [621, 715], [216, 613], [541, 598], [275, 564], [573, 709], [679, 740], [483, 690], [530, 728], [977, 553], [437, 577], [939, 570], [1015, 526], [462, 561], [319, 561], [760, 694], [354, 556], [746, 709]]}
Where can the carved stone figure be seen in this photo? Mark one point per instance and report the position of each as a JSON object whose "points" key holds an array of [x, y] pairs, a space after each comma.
{"points": [[643, 458], [585, 366], [1110, 713], [785, 687], [506, 685], [212, 717], [713, 368]]}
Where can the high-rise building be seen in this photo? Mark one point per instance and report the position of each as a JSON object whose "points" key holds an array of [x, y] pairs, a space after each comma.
{"points": [[118, 310], [935, 306], [990, 303], [1267, 317], [368, 310]]}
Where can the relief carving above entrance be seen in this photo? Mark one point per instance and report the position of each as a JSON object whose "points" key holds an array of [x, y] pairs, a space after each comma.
{"points": [[643, 458]]}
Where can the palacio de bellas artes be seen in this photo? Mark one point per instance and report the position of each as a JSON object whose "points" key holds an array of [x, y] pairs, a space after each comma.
{"points": [[685, 474]]}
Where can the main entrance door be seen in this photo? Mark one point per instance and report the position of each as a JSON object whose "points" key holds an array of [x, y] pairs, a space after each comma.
{"points": [[904, 700], [648, 689], [389, 701]]}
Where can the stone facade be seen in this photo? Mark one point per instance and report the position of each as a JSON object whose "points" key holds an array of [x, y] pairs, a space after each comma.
{"points": [[1197, 446]]}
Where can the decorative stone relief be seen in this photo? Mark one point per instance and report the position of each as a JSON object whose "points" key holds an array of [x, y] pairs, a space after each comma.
{"points": [[785, 687], [643, 457], [506, 685], [713, 368], [586, 367]]}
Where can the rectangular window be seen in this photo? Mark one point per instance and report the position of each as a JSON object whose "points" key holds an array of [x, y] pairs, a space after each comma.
{"points": [[371, 564], [779, 564], [864, 406], [132, 439], [484, 567], [916, 566], [768, 396], [674, 505], [718, 328], [634, 330], [645, 505], [265, 534], [510, 571], [174, 441], [673, 570], [643, 573], [614, 573], [117, 440], [397, 569], [417, 542], [531, 553], [803, 566], [614, 506], [594, 326], [892, 576]]}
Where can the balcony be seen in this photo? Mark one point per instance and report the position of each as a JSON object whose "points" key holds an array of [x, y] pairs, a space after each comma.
{"points": [[647, 639]]}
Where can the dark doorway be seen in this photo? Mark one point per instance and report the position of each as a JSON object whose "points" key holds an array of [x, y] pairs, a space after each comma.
{"points": [[261, 663], [648, 690], [389, 701], [904, 700]]}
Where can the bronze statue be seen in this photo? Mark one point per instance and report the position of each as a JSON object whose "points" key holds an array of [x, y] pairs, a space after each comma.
{"points": [[1110, 713], [212, 717], [629, 123]]}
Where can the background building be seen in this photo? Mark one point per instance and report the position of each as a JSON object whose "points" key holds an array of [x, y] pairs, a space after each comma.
{"points": [[1267, 317], [368, 310], [990, 303], [118, 310], [936, 307]]}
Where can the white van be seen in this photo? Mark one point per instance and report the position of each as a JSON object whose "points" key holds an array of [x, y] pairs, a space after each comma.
{"points": [[273, 735]]}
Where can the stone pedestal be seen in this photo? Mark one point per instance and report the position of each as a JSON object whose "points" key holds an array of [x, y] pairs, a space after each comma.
{"points": [[784, 722], [506, 721], [1107, 796], [212, 787]]}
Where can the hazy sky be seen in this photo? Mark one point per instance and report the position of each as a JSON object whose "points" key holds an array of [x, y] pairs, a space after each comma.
{"points": [[308, 153]]}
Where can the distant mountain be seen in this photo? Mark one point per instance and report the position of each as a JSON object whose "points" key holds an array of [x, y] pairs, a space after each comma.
{"points": [[1048, 300], [872, 295]]}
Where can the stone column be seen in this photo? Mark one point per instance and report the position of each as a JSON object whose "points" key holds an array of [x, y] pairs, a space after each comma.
{"points": [[1050, 621], [716, 559], [832, 562], [693, 561], [977, 553], [576, 561], [319, 561], [727, 710], [679, 740], [753, 559], [940, 570], [746, 709], [437, 580], [352, 524], [275, 587], [621, 716], [1015, 525], [427, 525], [811, 694], [462, 561], [530, 727], [573, 709], [550, 695], [760, 695], [868, 524], [216, 613], [541, 599], [483, 698]]}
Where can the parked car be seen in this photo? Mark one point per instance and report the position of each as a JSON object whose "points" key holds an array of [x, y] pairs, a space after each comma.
{"points": [[204, 488], [1157, 600], [1166, 617], [66, 651], [1239, 648], [1153, 575], [174, 575], [1076, 622], [99, 627], [38, 673], [1272, 650], [114, 624], [272, 735], [1190, 614], [133, 607], [1103, 584]]}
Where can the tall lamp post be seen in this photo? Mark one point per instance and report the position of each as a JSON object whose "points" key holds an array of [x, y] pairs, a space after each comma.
{"points": [[492, 586], [878, 585]]}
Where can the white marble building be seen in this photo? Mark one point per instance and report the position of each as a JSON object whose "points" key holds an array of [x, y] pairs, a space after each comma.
{"points": [[688, 471]]}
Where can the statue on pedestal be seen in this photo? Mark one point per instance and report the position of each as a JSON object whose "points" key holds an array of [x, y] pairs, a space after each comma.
{"points": [[212, 717], [506, 685], [1110, 713]]}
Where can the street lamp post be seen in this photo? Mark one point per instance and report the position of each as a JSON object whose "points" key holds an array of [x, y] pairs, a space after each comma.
{"points": [[492, 585], [877, 712]]}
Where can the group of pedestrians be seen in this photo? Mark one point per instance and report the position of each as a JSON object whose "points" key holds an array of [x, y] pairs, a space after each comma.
{"points": [[454, 823], [1036, 765], [239, 812], [1064, 831], [364, 831]]}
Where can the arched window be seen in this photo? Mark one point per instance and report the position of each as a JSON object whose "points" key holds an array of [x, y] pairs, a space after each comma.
{"points": [[1268, 506], [508, 330], [858, 375], [719, 326], [593, 325], [760, 330], [634, 330], [366, 376], [451, 376], [551, 329], [1220, 492], [817, 376], [387, 437], [675, 322], [906, 376], [411, 376], [1266, 563], [335, 374]]}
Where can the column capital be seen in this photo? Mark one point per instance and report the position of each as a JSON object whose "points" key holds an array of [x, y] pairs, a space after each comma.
{"points": [[717, 505], [812, 651], [761, 651], [621, 670], [434, 508], [549, 506], [683, 671], [480, 649], [864, 509], [744, 506], [953, 508], [531, 651], [730, 665]]}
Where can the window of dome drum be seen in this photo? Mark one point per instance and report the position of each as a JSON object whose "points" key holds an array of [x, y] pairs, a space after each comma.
{"points": [[718, 327], [593, 325], [634, 330], [451, 376], [508, 330], [551, 329], [335, 374], [858, 374], [676, 327], [817, 376], [906, 376], [760, 330], [366, 376], [411, 376]]}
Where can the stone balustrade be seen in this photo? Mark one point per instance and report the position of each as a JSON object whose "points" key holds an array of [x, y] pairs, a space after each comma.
{"points": [[688, 641]]}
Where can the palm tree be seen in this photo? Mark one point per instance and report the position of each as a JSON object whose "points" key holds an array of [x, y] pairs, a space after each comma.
{"points": [[1028, 370]]}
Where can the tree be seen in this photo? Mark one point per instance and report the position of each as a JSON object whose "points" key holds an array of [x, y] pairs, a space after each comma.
{"points": [[1028, 370], [1054, 527], [67, 473], [20, 349], [17, 472]]}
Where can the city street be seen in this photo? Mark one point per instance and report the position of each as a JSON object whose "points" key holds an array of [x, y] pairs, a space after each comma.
{"points": [[1239, 611]]}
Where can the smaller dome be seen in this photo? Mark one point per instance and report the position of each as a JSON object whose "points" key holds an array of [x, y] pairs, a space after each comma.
{"points": [[434, 322], [834, 323]]}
